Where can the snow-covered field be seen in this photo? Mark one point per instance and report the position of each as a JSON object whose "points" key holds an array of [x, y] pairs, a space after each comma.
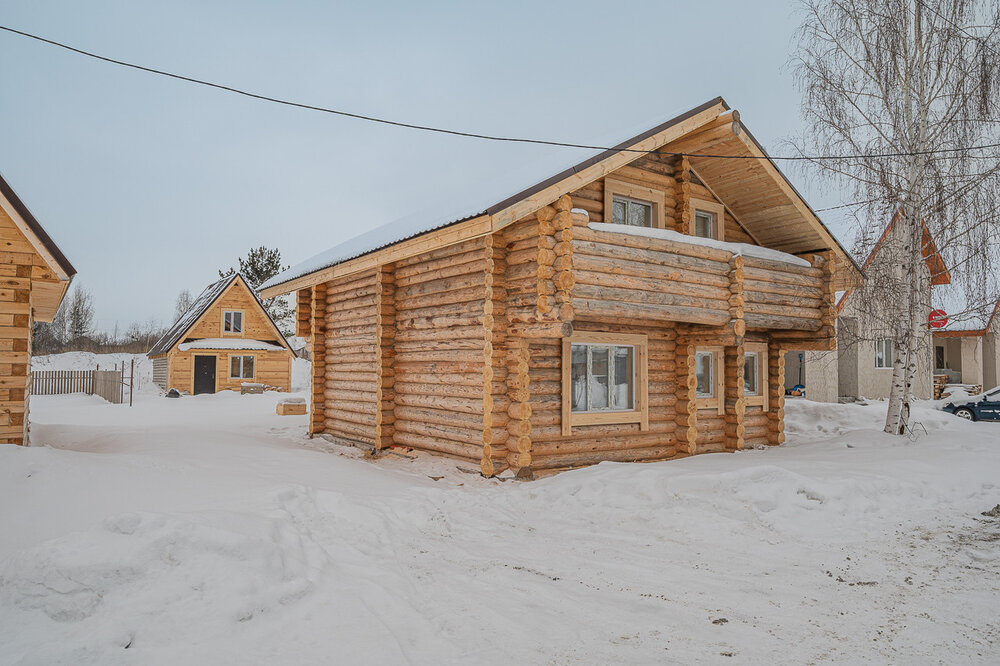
{"points": [[208, 530]]}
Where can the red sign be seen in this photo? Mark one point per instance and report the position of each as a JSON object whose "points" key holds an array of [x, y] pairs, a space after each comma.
{"points": [[938, 319]]}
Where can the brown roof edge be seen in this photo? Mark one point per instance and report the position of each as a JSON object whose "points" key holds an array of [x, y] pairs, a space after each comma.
{"points": [[548, 182], [36, 227]]}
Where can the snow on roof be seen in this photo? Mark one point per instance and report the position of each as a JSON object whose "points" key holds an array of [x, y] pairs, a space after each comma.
{"points": [[465, 200], [744, 249], [230, 343], [198, 308]]}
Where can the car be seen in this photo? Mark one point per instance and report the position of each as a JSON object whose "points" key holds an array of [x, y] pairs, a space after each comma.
{"points": [[982, 407]]}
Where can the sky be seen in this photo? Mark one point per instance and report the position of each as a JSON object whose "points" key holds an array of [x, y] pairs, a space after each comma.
{"points": [[151, 185]]}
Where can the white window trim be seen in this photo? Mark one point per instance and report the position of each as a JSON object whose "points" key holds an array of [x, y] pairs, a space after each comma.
{"points": [[892, 352], [242, 358], [713, 207], [638, 193], [243, 322], [640, 412]]}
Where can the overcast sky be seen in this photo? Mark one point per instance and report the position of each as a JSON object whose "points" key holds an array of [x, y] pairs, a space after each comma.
{"points": [[150, 185]]}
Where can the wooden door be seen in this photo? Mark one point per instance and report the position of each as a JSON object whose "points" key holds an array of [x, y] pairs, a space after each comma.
{"points": [[204, 374]]}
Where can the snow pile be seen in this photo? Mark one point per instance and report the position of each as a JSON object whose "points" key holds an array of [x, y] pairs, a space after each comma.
{"points": [[91, 361], [229, 343], [209, 530], [739, 249]]}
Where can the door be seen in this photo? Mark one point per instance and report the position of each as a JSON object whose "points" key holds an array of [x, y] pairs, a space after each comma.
{"points": [[204, 374]]}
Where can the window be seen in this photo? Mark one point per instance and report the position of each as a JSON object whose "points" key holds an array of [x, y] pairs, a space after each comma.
{"points": [[883, 353], [241, 367], [751, 364], [705, 372], [632, 205], [632, 212], [709, 387], [604, 380], [704, 224], [232, 321], [707, 219], [755, 374]]}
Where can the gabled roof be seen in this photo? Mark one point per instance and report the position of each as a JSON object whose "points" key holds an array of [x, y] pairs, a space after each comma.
{"points": [[490, 206], [199, 307], [37, 235], [928, 248]]}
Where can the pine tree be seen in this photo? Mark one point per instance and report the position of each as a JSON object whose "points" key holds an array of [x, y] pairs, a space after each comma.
{"points": [[80, 313], [262, 264]]}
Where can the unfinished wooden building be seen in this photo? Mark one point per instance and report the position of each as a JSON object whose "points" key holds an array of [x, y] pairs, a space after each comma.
{"points": [[632, 307], [34, 276], [224, 340]]}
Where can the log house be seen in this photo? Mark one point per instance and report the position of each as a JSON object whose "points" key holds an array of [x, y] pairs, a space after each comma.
{"points": [[225, 339], [633, 307], [34, 277]]}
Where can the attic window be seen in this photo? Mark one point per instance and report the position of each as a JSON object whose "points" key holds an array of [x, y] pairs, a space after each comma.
{"points": [[632, 205], [707, 219], [232, 321]]}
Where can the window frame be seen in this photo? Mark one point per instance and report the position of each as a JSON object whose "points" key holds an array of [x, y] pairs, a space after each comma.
{"points": [[243, 358], [637, 193], [242, 322], [640, 411], [892, 353], [706, 206], [716, 401], [763, 385]]}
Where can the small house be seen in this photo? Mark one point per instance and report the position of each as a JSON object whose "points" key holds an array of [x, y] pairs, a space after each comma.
{"points": [[968, 351], [34, 277], [224, 340], [632, 306], [862, 364]]}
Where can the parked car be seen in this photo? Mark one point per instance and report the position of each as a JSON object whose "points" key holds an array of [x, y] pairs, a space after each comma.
{"points": [[982, 407]]}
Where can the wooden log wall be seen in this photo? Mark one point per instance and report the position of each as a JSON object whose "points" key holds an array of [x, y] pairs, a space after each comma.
{"points": [[385, 335], [550, 449], [779, 295], [303, 312], [15, 335], [271, 367], [687, 400], [439, 361], [653, 279], [494, 387], [756, 432], [317, 334], [776, 394], [735, 402], [652, 171], [351, 356]]}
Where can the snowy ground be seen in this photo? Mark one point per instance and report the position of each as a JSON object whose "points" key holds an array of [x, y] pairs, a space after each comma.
{"points": [[208, 530]]}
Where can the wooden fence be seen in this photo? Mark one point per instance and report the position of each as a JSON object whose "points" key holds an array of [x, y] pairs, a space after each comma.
{"points": [[108, 384]]}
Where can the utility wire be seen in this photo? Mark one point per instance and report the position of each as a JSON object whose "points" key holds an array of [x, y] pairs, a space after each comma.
{"points": [[474, 135]]}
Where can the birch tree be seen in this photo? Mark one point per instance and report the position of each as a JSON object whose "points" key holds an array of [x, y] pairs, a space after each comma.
{"points": [[901, 101]]}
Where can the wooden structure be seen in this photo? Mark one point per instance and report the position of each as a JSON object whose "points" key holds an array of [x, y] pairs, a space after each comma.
{"points": [[34, 276], [225, 338], [291, 407], [535, 334]]}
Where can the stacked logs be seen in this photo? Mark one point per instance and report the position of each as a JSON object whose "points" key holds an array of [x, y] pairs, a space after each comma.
{"points": [[439, 364], [385, 334], [317, 334], [551, 449], [737, 300], [563, 280], [519, 410], [683, 210], [775, 394], [652, 278], [494, 357], [303, 313], [780, 295], [530, 256], [687, 397], [351, 354], [735, 401]]}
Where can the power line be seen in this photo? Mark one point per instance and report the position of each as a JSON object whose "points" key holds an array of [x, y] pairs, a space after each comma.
{"points": [[476, 135]]}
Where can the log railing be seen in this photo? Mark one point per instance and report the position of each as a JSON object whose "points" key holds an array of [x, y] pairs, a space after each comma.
{"points": [[621, 276]]}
